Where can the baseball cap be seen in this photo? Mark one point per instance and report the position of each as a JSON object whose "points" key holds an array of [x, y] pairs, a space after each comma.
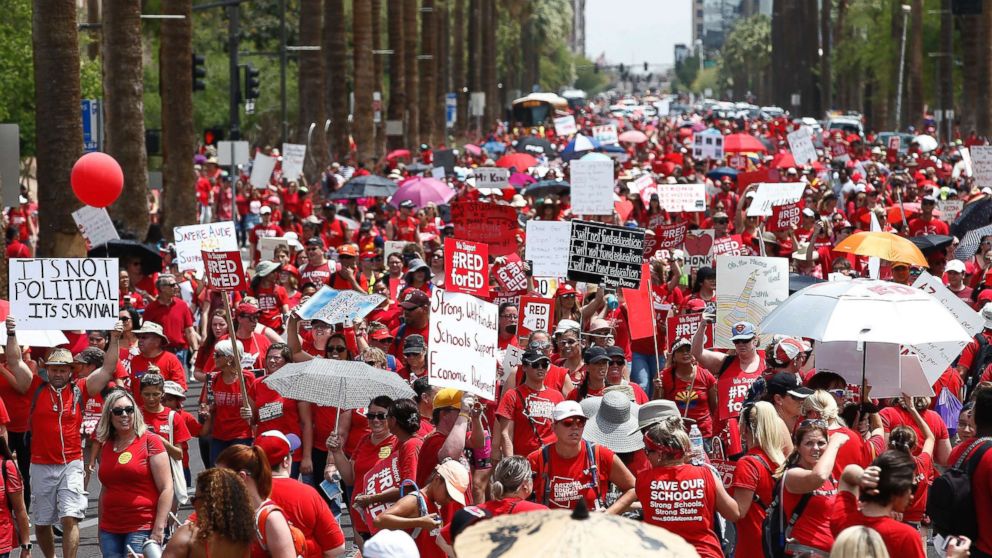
{"points": [[277, 445], [809, 212], [414, 298], [381, 334], [173, 388], [594, 355], [90, 355], [789, 348], [742, 331], [566, 325], [264, 209], [59, 356], [456, 478], [349, 250], [414, 344], [567, 409], [987, 315], [782, 383], [679, 343], [720, 215], [407, 204], [532, 356], [695, 305], [390, 544], [955, 265], [565, 289], [247, 308], [448, 397], [615, 351]]}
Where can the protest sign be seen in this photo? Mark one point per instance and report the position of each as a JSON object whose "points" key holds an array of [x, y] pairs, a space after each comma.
{"points": [[192, 240], [546, 286], [334, 307], [684, 326], [512, 358], [462, 346], [565, 125], [935, 357], [728, 245], [699, 248], [682, 197], [606, 134], [770, 194], [496, 225], [592, 187], [511, 275], [894, 142], [445, 158], [393, 247], [949, 209], [293, 155], [643, 182], [801, 145], [669, 237], [261, 171], [95, 225], [605, 254], [784, 217], [745, 179], [267, 246], [748, 288], [466, 267], [707, 144], [536, 313], [491, 177], [64, 293], [737, 161], [981, 164], [224, 271], [546, 247], [838, 152], [498, 296]]}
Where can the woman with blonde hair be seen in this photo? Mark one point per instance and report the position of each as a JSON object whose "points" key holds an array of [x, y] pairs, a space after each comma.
{"points": [[223, 526], [136, 477], [859, 542], [821, 405], [753, 484]]}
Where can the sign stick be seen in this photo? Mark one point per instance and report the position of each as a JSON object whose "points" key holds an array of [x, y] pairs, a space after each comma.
{"points": [[654, 326], [232, 335]]}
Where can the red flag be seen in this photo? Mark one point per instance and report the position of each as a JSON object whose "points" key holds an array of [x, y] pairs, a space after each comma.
{"points": [[640, 313]]}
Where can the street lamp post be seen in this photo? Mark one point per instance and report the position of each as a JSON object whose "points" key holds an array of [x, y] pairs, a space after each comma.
{"points": [[906, 9]]}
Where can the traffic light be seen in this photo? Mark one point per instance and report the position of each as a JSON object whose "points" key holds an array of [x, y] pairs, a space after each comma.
{"points": [[199, 72], [212, 135], [251, 82], [645, 66]]}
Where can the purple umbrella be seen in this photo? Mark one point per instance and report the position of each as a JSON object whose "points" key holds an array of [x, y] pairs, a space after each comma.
{"points": [[519, 180], [473, 150], [422, 191]]}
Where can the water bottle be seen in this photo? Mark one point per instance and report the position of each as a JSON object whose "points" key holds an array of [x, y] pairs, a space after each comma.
{"points": [[612, 303], [151, 549], [696, 443]]}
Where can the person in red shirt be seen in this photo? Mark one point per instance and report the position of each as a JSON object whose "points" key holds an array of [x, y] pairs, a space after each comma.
{"points": [[265, 229], [456, 417], [335, 232], [301, 503], [690, 386], [275, 412], [925, 223], [317, 270], [160, 419], [174, 397], [175, 317], [272, 300], [404, 422], [404, 226], [898, 415], [230, 412], [349, 276], [754, 479], [416, 314], [151, 347], [525, 413], [557, 377], [16, 248], [14, 524]]}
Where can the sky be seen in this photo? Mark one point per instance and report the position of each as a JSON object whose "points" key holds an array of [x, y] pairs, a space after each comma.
{"points": [[637, 31]]}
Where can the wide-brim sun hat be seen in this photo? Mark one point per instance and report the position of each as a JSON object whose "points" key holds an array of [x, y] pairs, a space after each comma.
{"points": [[614, 424]]}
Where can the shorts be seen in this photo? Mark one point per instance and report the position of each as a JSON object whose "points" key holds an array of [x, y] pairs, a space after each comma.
{"points": [[57, 492]]}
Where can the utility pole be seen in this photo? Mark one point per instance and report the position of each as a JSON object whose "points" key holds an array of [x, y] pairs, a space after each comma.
{"points": [[282, 70], [233, 21], [906, 9]]}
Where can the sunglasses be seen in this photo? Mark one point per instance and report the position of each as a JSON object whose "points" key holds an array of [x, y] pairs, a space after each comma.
{"points": [[619, 362], [721, 221], [741, 341], [376, 416], [337, 348], [540, 364], [819, 423], [568, 341], [839, 393], [567, 296], [125, 319], [121, 411], [572, 421]]}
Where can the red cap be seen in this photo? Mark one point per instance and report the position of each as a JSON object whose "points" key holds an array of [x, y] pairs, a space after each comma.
{"points": [[277, 445], [290, 268], [381, 334], [247, 308], [695, 305], [368, 255], [566, 289]]}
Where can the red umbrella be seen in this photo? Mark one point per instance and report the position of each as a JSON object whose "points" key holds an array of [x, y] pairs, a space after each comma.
{"points": [[784, 160], [398, 154], [739, 143], [519, 161]]}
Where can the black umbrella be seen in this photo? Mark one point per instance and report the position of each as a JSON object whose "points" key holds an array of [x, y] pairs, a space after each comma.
{"points": [[799, 282], [536, 146], [417, 168], [126, 250], [974, 215], [367, 186], [547, 188], [931, 242]]}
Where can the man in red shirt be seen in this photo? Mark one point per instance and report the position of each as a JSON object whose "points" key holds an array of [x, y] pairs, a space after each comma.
{"points": [[349, 276], [452, 413], [404, 226], [151, 351], [16, 248], [265, 229], [175, 317], [973, 350], [317, 270], [416, 315], [525, 412], [955, 270], [925, 223]]}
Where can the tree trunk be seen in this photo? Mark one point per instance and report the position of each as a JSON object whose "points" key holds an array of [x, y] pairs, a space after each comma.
{"points": [[839, 36], [489, 16], [124, 121], [312, 91], [474, 57], [336, 64], [59, 140], [428, 76], [361, 38], [379, 143], [984, 93], [946, 64], [412, 67], [914, 62], [442, 68], [397, 67], [779, 54], [826, 43], [972, 57], [93, 17], [459, 79], [179, 206]]}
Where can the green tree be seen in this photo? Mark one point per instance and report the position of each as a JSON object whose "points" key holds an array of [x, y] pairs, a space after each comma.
{"points": [[745, 61]]}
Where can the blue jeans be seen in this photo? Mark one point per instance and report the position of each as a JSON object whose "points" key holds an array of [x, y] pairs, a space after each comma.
{"points": [[217, 446], [113, 545], [644, 369]]}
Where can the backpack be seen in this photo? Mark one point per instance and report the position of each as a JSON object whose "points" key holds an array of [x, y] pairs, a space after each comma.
{"points": [[775, 530], [950, 502], [77, 403], [593, 472], [262, 515], [982, 359]]}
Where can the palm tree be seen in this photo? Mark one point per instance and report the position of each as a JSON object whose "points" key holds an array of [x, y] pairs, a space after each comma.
{"points": [[973, 57], [914, 66], [312, 89], [377, 65], [59, 140], [93, 17], [124, 121], [176, 88], [459, 79], [428, 102], [397, 61], [442, 66], [826, 44], [490, 18], [335, 57], [412, 68], [362, 49]]}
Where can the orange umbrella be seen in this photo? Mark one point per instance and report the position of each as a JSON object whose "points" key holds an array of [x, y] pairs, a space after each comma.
{"points": [[884, 245]]}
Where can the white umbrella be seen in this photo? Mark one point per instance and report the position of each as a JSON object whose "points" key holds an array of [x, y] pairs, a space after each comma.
{"points": [[345, 384], [37, 338], [889, 369], [926, 143]]}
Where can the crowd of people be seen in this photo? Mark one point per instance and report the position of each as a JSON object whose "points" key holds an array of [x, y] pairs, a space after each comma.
{"points": [[747, 452]]}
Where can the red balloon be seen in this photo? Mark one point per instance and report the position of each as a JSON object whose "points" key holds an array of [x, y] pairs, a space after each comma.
{"points": [[97, 179]]}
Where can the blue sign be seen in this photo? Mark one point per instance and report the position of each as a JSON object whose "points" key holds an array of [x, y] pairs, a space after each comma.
{"points": [[450, 109], [334, 307], [92, 126]]}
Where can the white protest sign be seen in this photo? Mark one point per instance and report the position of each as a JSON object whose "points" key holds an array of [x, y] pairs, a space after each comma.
{"points": [[981, 164], [64, 293], [707, 144], [770, 194], [193, 239], [334, 307], [748, 288], [438, 173], [565, 125], [491, 177], [592, 187], [393, 247], [95, 225], [642, 182], [293, 155], [546, 286], [935, 357], [682, 197], [606, 134], [463, 343], [261, 171], [801, 145], [949, 209], [267, 247], [546, 247], [512, 358]]}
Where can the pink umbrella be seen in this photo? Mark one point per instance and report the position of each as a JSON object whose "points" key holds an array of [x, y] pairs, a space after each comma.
{"points": [[422, 191], [519, 179], [633, 136], [473, 150]]}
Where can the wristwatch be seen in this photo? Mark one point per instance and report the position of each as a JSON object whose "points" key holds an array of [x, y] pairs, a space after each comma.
{"points": [[26, 547]]}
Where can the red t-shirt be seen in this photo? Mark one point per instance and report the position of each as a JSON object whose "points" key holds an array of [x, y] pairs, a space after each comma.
{"points": [[897, 416], [11, 483], [129, 496], [306, 510], [405, 229], [270, 302], [194, 427], [159, 424], [564, 482], [925, 473], [554, 379], [56, 424], [813, 526], [919, 227], [428, 456], [365, 457], [732, 387], [693, 401], [900, 539], [506, 506], [407, 456], [227, 421], [18, 404], [854, 450], [318, 275], [971, 349], [275, 412], [540, 409], [167, 362], [754, 473], [256, 344], [682, 499], [174, 318], [324, 419]]}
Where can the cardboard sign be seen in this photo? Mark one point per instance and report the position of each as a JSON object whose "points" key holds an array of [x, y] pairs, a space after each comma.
{"points": [[707, 144], [393, 247], [801, 145], [193, 240], [496, 225], [699, 248], [261, 171], [224, 271], [445, 158], [513, 357], [606, 255], [935, 357], [747, 289], [498, 296], [511, 275], [334, 307], [684, 326], [64, 293], [536, 313], [606, 134], [438, 173], [462, 346], [949, 209], [546, 247], [565, 125], [771, 194], [95, 225], [592, 187], [293, 156], [492, 177], [784, 217], [466, 267], [682, 197], [894, 143], [981, 164], [669, 237]]}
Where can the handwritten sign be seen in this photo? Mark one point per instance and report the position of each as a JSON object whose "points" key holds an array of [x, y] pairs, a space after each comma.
{"points": [[684, 326], [466, 267], [64, 293], [699, 248], [784, 217], [462, 346], [261, 171], [747, 289], [512, 358], [267, 247], [334, 307], [607, 255], [801, 145], [293, 155], [981, 164], [536, 313], [546, 247], [224, 270], [491, 177], [949, 209], [95, 225], [565, 125], [606, 134], [935, 357], [193, 240], [682, 197], [592, 187], [496, 225], [770, 194], [511, 274]]}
